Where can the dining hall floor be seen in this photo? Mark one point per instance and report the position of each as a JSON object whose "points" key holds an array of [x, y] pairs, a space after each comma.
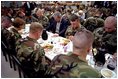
{"points": [[6, 71]]}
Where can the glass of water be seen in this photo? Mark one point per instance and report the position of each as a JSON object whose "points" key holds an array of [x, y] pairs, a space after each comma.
{"points": [[98, 65]]}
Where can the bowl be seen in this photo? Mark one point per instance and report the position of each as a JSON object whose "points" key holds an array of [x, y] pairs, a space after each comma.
{"points": [[107, 73]]}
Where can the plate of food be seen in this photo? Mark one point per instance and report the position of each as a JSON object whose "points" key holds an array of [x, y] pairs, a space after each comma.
{"points": [[47, 46], [65, 41], [107, 73]]}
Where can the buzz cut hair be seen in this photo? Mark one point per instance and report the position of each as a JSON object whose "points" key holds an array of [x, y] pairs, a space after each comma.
{"points": [[85, 38], [35, 26]]}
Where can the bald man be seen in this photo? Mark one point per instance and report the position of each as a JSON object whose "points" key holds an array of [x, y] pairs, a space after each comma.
{"points": [[106, 37], [75, 64]]}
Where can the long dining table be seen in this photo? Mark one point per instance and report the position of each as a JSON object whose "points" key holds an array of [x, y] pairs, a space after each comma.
{"points": [[56, 45]]}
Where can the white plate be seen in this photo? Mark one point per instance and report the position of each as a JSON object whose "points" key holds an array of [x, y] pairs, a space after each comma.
{"points": [[107, 73]]}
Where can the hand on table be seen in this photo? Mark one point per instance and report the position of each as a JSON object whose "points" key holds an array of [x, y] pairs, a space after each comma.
{"points": [[55, 35]]}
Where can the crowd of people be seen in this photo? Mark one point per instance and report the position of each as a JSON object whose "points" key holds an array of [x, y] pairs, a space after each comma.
{"points": [[93, 26]]}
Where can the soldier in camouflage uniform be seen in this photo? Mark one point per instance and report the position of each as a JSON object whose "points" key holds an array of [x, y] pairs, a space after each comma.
{"points": [[31, 54], [5, 34], [39, 17], [74, 65], [106, 38], [92, 23], [74, 27], [18, 24]]}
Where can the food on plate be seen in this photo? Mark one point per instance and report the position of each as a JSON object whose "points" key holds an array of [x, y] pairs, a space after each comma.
{"points": [[65, 41], [107, 73], [47, 46]]}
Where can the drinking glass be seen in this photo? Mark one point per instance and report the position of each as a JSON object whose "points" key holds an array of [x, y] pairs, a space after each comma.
{"points": [[98, 65]]}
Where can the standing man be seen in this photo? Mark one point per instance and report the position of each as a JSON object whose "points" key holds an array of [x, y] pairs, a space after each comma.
{"points": [[28, 10]]}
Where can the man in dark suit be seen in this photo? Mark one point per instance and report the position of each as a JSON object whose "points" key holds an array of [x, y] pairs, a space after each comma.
{"points": [[57, 24], [28, 8]]}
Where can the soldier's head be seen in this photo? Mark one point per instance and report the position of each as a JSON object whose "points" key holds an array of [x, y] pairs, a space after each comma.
{"points": [[90, 24], [75, 21], [18, 23], [110, 24], [40, 12], [57, 16], [6, 21], [35, 30], [82, 42]]}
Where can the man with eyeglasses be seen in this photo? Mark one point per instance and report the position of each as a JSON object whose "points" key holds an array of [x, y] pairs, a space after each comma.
{"points": [[106, 37], [75, 65]]}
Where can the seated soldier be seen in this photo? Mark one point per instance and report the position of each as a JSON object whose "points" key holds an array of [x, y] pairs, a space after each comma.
{"points": [[5, 34], [40, 17], [75, 64], [106, 37], [93, 23], [18, 24], [31, 54], [74, 27]]}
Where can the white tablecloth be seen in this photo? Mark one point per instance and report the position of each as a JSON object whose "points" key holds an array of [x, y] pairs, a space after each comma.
{"points": [[58, 48]]}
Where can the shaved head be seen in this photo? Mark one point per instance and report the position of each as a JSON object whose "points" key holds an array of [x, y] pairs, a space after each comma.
{"points": [[35, 26], [83, 40], [110, 23]]}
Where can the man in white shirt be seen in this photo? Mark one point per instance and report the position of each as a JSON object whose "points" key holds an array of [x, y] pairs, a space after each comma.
{"points": [[57, 25]]}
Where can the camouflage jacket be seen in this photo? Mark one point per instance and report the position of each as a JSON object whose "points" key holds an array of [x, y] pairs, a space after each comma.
{"points": [[43, 20], [10, 37], [92, 23], [30, 54], [5, 36], [72, 66], [70, 31], [15, 34], [107, 41]]}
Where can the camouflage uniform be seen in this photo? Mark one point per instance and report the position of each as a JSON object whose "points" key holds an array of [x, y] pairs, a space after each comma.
{"points": [[5, 36], [15, 34], [105, 40], [70, 31], [48, 14], [72, 66], [43, 20], [13, 38], [32, 56], [10, 37], [92, 23]]}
